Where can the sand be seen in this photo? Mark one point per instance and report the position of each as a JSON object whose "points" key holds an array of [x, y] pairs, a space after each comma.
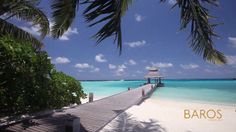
{"points": [[164, 115]]}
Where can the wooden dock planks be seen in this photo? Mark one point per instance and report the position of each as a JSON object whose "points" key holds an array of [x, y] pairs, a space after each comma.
{"points": [[93, 116]]}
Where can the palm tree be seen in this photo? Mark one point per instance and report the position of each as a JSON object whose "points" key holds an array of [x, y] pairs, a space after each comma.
{"points": [[23, 10], [110, 12]]}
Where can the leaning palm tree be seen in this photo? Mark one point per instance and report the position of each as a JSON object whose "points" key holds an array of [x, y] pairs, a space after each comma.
{"points": [[110, 12], [23, 10]]}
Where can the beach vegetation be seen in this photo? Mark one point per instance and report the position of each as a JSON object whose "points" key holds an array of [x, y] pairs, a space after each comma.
{"points": [[29, 81], [27, 11]]}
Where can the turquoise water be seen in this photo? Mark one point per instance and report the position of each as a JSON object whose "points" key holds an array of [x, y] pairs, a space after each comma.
{"points": [[219, 91], [107, 88]]}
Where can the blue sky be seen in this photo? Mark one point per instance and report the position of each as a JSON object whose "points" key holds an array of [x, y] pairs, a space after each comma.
{"points": [[151, 37]]}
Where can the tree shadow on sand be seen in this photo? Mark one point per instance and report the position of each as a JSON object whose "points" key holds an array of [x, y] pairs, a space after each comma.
{"points": [[126, 123]]}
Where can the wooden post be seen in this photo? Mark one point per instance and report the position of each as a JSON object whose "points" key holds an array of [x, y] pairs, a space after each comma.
{"points": [[128, 88], [143, 93], [72, 125], [90, 97], [156, 82]]}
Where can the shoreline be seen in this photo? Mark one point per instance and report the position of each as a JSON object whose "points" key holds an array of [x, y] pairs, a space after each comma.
{"points": [[168, 115], [172, 99], [194, 101], [184, 79]]}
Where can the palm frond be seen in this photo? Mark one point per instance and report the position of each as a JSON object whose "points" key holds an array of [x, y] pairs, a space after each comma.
{"points": [[109, 12], [125, 6], [63, 14], [212, 2], [7, 28], [202, 31], [27, 10]]}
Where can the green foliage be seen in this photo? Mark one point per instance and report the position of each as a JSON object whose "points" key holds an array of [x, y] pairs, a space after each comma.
{"points": [[64, 12], [25, 10], [65, 89], [193, 13], [111, 12], [108, 14], [29, 82]]}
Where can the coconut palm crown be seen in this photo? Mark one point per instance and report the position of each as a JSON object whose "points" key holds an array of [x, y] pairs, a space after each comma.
{"points": [[109, 13], [25, 10], [192, 13]]}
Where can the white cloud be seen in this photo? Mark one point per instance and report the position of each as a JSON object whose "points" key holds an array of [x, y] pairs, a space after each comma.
{"points": [[61, 60], [68, 33], [122, 66], [208, 70], [139, 72], [132, 62], [100, 58], [231, 60], [171, 2], [162, 64], [147, 67], [80, 70], [111, 66], [83, 66], [32, 30], [96, 70], [4, 16], [136, 43], [87, 66], [232, 40], [120, 70], [138, 17], [189, 66]]}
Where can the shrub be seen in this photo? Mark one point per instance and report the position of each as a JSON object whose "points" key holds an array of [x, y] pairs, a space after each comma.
{"points": [[29, 82], [65, 89]]}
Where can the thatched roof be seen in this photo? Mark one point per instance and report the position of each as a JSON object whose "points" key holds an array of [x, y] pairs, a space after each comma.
{"points": [[153, 69], [153, 73]]}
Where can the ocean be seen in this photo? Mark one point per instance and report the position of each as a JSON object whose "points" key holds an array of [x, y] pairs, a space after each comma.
{"points": [[212, 91]]}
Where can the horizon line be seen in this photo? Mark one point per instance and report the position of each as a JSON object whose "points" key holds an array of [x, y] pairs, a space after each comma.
{"points": [[162, 79]]}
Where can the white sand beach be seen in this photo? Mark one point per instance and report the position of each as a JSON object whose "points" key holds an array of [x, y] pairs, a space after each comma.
{"points": [[168, 116]]}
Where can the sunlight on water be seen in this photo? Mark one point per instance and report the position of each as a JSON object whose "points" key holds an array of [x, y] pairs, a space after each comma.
{"points": [[223, 91]]}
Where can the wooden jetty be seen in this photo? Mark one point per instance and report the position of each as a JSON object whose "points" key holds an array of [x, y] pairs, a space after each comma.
{"points": [[154, 74], [92, 116]]}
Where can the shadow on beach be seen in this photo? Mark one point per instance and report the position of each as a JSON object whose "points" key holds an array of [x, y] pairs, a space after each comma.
{"points": [[48, 122], [125, 123]]}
